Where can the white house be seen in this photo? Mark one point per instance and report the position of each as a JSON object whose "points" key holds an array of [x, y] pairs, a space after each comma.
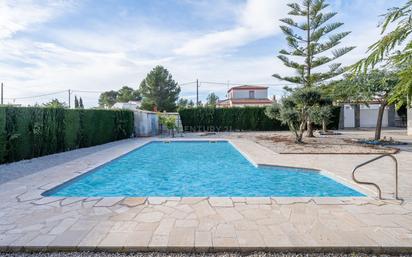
{"points": [[410, 121], [365, 116], [131, 105], [246, 96]]}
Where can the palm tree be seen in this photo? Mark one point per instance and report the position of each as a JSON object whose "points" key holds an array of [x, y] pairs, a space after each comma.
{"points": [[395, 48]]}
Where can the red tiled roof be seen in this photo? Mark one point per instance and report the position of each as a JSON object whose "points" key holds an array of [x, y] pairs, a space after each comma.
{"points": [[246, 87]]}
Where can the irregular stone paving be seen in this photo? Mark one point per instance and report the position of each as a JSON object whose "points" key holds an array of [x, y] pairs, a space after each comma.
{"points": [[29, 220]]}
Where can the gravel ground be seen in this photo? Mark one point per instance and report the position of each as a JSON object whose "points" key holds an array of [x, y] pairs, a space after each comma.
{"points": [[154, 254]]}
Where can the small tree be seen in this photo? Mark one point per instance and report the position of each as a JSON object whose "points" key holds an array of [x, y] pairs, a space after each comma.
{"points": [[182, 103], [289, 115], [212, 100], [126, 94], [76, 102], [191, 104], [55, 103], [169, 121], [159, 90], [295, 110], [311, 42], [81, 106], [107, 99], [377, 85], [322, 115]]}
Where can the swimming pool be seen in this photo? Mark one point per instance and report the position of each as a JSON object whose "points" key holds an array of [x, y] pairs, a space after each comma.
{"points": [[195, 169]]}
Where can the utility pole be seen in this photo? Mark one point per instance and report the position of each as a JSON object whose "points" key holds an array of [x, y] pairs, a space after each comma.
{"points": [[2, 93], [197, 92], [69, 97]]}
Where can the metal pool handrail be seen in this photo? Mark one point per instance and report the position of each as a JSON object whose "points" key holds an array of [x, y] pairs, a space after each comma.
{"points": [[373, 184]]}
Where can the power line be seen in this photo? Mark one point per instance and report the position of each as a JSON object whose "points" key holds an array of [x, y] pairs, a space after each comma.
{"points": [[186, 83], [88, 91], [36, 96], [248, 84], [197, 82]]}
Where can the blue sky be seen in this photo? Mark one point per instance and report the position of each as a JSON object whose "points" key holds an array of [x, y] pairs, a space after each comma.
{"points": [[51, 46]]}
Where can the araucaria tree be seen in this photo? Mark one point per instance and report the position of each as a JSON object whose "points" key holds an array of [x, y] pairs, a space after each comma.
{"points": [[159, 90], [311, 45]]}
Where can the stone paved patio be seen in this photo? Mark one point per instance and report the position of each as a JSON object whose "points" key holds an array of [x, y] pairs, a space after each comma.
{"points": [[28, 220]]}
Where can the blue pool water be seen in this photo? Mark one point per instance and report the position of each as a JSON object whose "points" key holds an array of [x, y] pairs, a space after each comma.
{"points": [[196, 169]]}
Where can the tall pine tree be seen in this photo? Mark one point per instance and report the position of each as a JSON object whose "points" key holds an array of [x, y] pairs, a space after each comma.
{"points": [[159, 90], [311, 45]]}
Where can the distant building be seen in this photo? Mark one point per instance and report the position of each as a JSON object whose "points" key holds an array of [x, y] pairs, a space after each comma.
{"points": [[360, 115], [409, 121], [131, 105], [246, 96]]}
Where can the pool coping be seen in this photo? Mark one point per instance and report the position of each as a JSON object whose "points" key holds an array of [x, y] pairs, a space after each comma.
{"points": [[366, 198]]}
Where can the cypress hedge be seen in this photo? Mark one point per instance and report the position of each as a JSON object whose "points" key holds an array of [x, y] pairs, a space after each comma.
{"points": [[228, 119], [28, 132], [235, 119], [335, 118]]}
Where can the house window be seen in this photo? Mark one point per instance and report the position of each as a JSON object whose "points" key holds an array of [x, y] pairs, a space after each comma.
{"points": [[251, 94]]}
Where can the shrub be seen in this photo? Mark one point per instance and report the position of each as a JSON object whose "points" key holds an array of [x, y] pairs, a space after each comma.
{"points": [[31, 132], [169, 121]]}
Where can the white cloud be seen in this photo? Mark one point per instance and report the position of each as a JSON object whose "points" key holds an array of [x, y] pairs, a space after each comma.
{"points": [[21, 15], [108, 56], [258, 19]]}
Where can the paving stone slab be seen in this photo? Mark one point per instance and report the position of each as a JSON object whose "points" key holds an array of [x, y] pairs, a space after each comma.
{"points": [[108, 201], [258, 200], [220, 202], [134, 201]]}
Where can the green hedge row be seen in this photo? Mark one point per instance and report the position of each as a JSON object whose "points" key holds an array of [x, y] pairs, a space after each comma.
{"points": [[335, 118], [228, 119], [235, 119], [27, 132]]}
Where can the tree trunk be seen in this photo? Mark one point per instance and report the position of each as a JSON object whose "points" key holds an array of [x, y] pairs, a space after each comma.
{"points": [[324, 128], [378, 129], [299, 134], [309, 132]]}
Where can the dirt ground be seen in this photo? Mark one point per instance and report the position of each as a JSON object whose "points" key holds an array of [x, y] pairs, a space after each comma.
{"points": [[345, 143]]}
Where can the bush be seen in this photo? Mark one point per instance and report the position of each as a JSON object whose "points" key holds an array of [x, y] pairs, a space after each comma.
{"points": [[335, 117], [228, 119], [31, 132]]}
